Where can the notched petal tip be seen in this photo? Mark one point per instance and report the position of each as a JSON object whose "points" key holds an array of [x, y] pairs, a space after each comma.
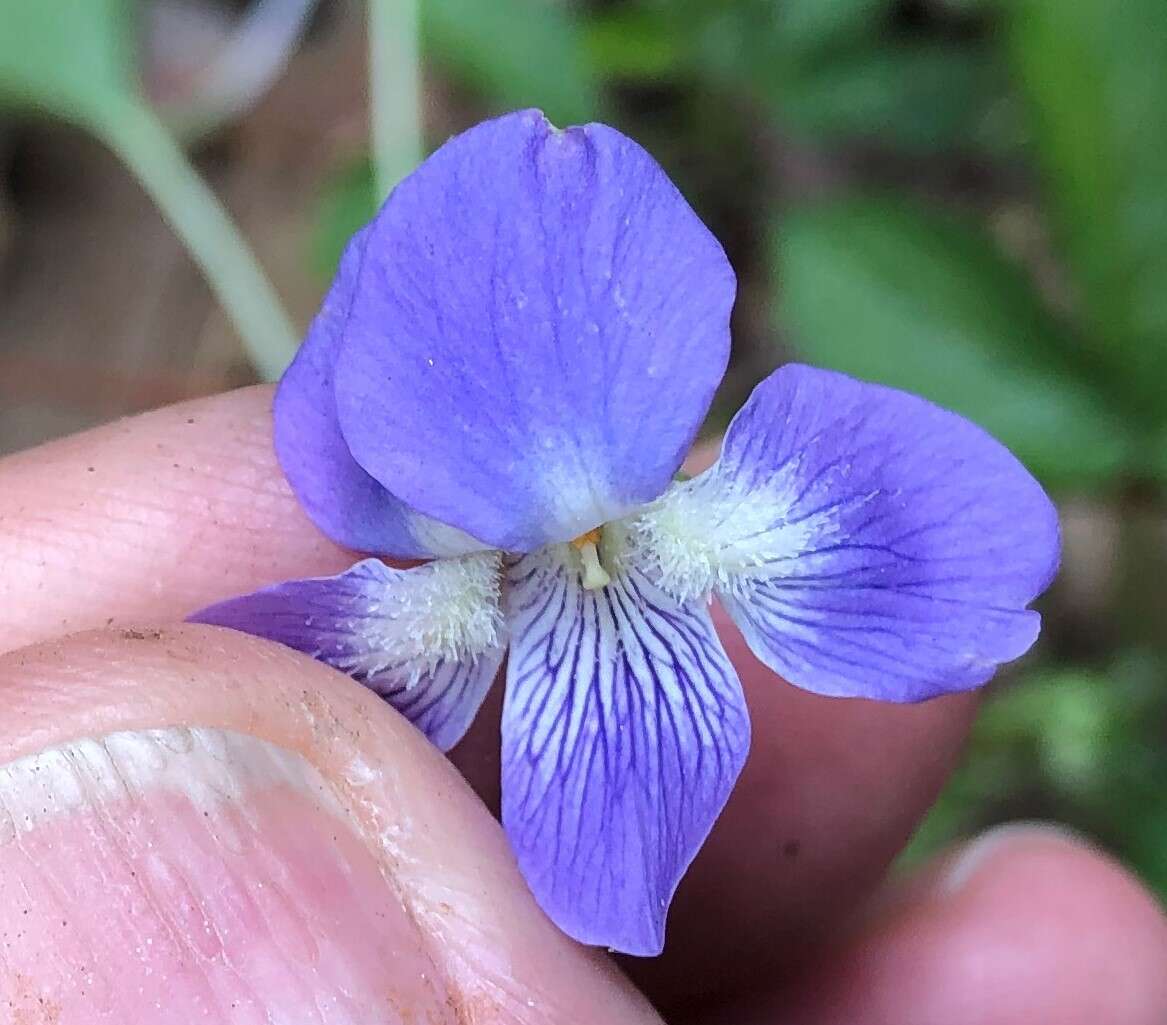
{"points": [[866, 542]]}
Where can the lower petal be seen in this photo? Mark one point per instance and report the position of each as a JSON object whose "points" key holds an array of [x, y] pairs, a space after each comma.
{"points": [[624, 729], [429, 639]]}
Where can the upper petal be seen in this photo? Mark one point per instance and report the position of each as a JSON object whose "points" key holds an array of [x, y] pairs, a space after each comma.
{"points": [[429, 639], [537, 330], [624, 729], [866, 542], [340, 497]]}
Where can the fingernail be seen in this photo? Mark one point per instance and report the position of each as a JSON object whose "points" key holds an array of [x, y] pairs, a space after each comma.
{"points": [[196, 875], [967, 863]]}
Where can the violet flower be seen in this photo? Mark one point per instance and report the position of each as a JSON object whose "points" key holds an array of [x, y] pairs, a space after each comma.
{"points": [[513, 360]]}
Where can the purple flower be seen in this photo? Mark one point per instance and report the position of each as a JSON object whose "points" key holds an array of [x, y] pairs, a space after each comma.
{"points": [[513, 360]]}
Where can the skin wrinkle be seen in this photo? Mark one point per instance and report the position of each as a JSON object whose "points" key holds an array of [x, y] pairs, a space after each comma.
{"points": [[117, 846], [272, 933], [202, 499], [144, 512], [489, 955]]}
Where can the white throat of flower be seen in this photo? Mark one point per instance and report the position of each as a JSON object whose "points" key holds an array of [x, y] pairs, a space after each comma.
{"points": [[698, 537]]}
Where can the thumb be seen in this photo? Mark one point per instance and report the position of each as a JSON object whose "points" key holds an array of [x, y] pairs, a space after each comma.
{"points": [[196, 826]]}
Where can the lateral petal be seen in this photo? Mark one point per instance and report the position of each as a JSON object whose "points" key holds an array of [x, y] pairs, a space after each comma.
{"points": [[429, 640], [866, 542]]}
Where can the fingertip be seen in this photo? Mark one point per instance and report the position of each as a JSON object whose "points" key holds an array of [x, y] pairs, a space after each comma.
{"points": [[149, 518], [1028, 923], [287, 834]]}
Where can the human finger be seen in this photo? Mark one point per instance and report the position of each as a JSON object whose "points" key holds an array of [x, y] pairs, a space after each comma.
{"points": [[1026, 924], [197, 825], [147, 518]]}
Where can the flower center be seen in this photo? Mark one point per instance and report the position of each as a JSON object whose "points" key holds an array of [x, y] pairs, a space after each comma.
{"points": [[594, 574]]}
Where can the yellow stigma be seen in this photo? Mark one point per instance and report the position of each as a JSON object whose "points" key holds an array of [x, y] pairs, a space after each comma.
{"points": [[594, 575]]}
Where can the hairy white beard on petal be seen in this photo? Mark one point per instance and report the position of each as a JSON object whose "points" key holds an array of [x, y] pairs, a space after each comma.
{"points": [[447, 611], [705, 534]]}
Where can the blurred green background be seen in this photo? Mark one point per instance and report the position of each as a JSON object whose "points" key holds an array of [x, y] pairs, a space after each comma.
{"points": [[964, 198]]}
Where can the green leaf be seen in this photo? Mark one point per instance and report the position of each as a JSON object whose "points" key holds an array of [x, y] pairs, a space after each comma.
{"points": [[927, 304], [634, 43], [922, 96], [764, 45], [808, 26], [520, 53], [829, 70], [1067, 715], [1095, 74], [71, 58]]}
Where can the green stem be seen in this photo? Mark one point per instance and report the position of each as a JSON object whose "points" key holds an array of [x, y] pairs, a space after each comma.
{"points": [[394, 90], [213, 239]]}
